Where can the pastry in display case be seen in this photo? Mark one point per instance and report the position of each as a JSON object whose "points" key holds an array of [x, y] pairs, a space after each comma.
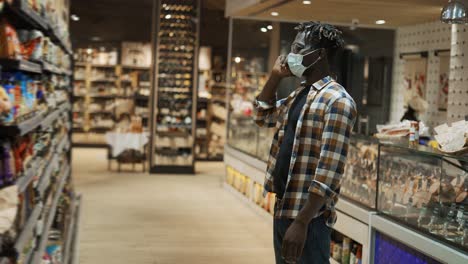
{"points": [[359, 181], [425, 190]]}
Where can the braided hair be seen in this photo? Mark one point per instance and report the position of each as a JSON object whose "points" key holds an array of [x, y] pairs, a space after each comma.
{"points": [[324, 35]]}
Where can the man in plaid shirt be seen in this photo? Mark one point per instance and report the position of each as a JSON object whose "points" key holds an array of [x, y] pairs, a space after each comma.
{"points": [[309, 149]]}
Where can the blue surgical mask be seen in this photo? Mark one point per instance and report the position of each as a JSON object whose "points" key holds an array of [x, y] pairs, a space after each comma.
{"points": [[295, 63]]}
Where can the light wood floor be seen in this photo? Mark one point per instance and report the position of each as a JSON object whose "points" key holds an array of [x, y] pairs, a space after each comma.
{"points": [[136, 218]]}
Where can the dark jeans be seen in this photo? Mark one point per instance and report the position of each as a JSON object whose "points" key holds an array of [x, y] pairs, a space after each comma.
{"points": [[317, 246]]}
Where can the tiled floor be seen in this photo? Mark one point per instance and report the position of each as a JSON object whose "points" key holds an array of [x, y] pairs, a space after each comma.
{"points": [[154, 219]]}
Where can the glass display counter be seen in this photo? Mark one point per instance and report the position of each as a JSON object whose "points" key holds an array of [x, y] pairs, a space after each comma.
{"points": [[359, 182], [425, 190]]}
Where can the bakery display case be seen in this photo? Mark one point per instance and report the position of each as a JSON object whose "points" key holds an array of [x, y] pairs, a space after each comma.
{"points": [[425, 190], [244, 134], [359, 182]]}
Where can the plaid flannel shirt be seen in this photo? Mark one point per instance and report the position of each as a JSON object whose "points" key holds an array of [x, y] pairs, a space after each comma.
{"points": [[320, 146]]}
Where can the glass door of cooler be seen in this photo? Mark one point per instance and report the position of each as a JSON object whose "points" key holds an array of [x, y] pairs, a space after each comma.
{"points": [[174, 86]]}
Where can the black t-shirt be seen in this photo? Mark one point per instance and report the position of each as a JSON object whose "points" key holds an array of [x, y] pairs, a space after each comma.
{"points": [[280, 173]]}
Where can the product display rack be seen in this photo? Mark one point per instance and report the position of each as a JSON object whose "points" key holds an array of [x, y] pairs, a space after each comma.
{"points": [[211, 116], [174, 100], [99, 92], [39, 141]]}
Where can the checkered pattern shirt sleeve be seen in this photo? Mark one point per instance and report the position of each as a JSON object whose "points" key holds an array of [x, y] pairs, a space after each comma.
{"points": [[267, 116], [339, 121]]}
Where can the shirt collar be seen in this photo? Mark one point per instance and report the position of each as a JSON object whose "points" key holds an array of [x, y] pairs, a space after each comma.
{"points": [[318, 85]]}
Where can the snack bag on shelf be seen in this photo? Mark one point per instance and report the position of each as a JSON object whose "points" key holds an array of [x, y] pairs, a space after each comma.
{"points": [[5, 106], [37, 37], [9, 43]]}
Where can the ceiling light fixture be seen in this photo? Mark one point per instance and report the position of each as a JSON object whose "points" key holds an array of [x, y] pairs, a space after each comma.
{"points": [[168, 16], [269, 27], [75, 17], [274, 13], [237, 59], [96, 39], [455, 12], [264, 29], [380, 22], [89, 51], [305, 2]]}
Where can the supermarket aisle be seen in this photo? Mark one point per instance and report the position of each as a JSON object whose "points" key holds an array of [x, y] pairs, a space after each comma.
{"points": [[138, 218]]}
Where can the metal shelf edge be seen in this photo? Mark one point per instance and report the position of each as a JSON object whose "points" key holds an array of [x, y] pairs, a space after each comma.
{"points": [[53, 209], [28, 229]]}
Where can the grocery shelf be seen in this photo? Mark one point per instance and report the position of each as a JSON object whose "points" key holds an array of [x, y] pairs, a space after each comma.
{"points": [[20, 65], [45, 234], [72, 231], [103, 66], [44, 181], [24, 181], [28, 230], [69, 234], [28, 18], [132, 67], [37, 120], [76, 237], [22, 128], [49, 119]]}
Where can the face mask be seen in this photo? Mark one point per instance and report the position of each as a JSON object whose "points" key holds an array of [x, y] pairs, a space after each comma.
{"points": [[295, 63]]}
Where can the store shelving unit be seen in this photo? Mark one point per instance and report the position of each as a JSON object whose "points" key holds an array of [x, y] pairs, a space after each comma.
{"points": [[46, 172], [105, 87], [211, 134], [175, 86]]}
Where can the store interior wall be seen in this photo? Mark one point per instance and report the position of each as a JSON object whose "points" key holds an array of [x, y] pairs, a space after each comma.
{"points": [[457, 107], [430, 37]]}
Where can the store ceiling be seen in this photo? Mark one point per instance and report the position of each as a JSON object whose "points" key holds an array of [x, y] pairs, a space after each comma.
{"points": [[341, 12], [112, 21]]}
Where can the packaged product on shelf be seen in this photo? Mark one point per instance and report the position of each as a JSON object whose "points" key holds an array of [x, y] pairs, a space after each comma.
{"points": [[9, 43], [6, 106]]}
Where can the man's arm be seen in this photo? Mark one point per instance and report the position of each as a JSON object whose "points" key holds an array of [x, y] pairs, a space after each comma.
{"points": [[265, 105], [339, 121]]}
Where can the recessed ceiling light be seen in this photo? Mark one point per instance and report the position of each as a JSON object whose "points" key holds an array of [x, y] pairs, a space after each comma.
{"points": [[168, 16], [264, 29], [269, 27], [75, 17], [237, 59], [380, 22], [274, 13], [305, 2], [89, 51], [95, 38]]}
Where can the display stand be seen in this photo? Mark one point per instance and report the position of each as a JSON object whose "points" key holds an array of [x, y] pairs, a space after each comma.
{"points": [[44, 180], [173, 128], [98, 93]]}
